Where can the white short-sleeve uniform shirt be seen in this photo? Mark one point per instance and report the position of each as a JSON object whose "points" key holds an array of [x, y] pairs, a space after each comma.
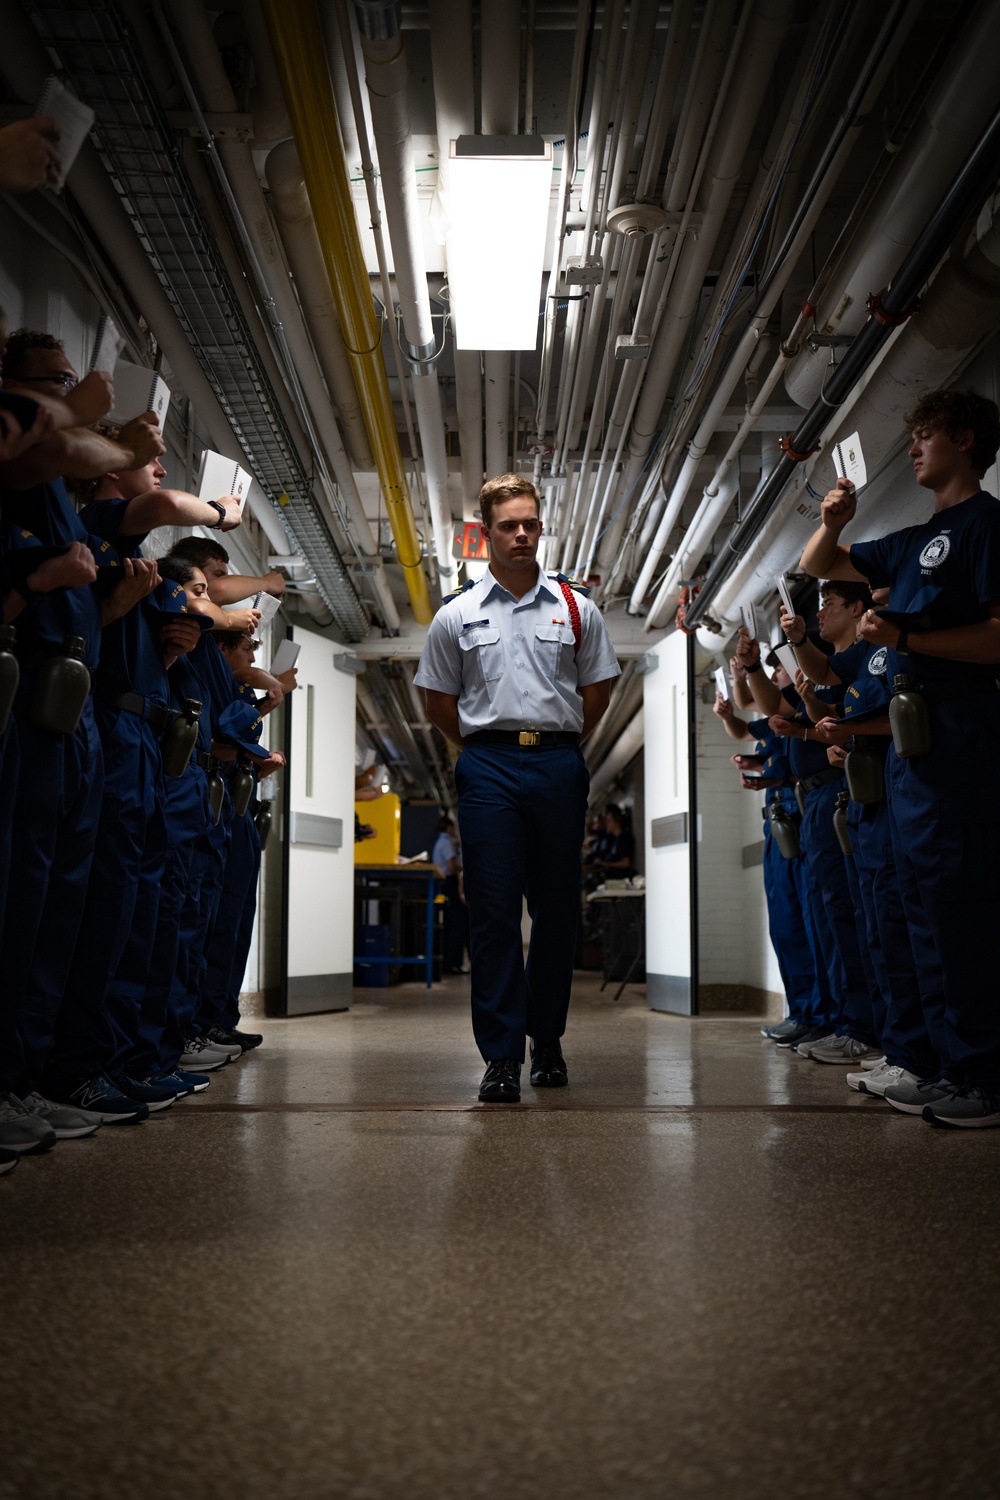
{"points": [[511, 662]]}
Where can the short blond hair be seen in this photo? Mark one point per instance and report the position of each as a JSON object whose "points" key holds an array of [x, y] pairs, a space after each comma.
{"points": [[505, 487]]}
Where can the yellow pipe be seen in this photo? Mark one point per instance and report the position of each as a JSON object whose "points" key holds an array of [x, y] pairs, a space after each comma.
{"points": [[300, 55]]}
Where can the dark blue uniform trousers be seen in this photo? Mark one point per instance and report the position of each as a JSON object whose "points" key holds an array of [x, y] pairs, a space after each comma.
{"points": [[229, 940], [787, 928], [187, 979], [97, 1024], [945, 809], [521, 817], [53, 828], [899, 1019], [827, 867]]}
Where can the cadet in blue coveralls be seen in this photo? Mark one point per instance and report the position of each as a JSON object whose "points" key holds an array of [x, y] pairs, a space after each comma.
{"points": [[943, 631], [518, 669]]}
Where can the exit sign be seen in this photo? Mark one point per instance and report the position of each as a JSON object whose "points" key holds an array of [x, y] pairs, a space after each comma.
{"points": [[469, 543]]}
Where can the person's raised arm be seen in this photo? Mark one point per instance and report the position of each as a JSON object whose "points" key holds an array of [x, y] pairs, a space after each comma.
{"points": [[824, 557], [810, 658], [973, 643], [79, 453], [766, 696], [742, 696], [734, 727], [232, 587], [177, 508]]}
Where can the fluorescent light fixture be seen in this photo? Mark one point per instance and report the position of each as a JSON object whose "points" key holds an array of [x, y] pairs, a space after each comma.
{"points": [[498, 202]]}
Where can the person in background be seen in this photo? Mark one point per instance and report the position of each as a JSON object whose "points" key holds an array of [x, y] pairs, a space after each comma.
{"points": [[446, 854]]}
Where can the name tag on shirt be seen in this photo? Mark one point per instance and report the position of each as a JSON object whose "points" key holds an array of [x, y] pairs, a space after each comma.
{"points": [[474, 624]]}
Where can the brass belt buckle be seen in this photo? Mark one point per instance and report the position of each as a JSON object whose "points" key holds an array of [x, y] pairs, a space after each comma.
{"points": [[529, 737]]}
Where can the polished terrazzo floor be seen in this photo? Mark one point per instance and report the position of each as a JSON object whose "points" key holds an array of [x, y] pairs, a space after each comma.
{"points": [[706, 1269]]}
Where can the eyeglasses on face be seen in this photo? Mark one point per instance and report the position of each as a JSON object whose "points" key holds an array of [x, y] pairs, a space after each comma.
{"points": [[64, 380]]}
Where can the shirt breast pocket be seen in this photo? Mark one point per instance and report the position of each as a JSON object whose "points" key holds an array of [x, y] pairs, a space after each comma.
{"points": [[483, 652], [554, 647]]}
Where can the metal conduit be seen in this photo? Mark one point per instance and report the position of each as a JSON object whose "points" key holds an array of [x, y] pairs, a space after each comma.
{"points": [[297, 40], [964, 197]]}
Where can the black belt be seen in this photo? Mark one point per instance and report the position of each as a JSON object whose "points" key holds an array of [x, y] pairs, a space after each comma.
{"points": [[957, 687], [134, 703], [531, 739], [810, 783], [204, 761]]}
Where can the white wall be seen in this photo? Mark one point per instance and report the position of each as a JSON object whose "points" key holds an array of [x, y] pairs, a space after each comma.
{"points": [[668, 945], [321, 880]]}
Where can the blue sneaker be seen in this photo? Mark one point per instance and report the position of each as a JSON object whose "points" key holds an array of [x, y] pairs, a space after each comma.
{"points": [[177, 1086], [101, 1097], [155, 1096], [196, 1083]]}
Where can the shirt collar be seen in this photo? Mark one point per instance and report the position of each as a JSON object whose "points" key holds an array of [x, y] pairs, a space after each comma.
{"points": [[489, 585]]}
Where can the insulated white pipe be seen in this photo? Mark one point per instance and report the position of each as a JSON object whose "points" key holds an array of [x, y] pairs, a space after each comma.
{"points": [[746, 350], [237, 160], [293, 215], [267, 102], [452, 66], [959, 312], [385, 75], [767, 28], [961, 103], [715, 501], [627, 746]]}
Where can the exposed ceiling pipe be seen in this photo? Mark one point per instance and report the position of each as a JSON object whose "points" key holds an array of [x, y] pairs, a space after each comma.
{"points": [[452, 69], [564, 189], [626, 698], [767, 28], [293, 216], [500, 99], [953, 116], [869, 85], [267, 103], [958, 314], [965, 196], [235, 160], [297, 41], [385, 74]]}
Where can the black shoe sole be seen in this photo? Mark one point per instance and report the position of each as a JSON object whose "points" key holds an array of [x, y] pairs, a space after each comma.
{"points": [[510, 1097]]}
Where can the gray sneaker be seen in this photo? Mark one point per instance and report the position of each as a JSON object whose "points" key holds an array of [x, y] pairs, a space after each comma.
{"points": [[20, 1130], [877, 1080], [202, 1056], [68, 1123], [871, 1063], [803, 1048], [971, 1107], [911, 1098], [8, 1160], [838, 1049]]}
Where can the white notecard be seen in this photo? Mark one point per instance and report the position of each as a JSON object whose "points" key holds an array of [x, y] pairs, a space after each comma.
{"points": [[285, 658], [784, 593], [849, 461], [722, 683], [788, 660], [74, 119], [137, 391]]}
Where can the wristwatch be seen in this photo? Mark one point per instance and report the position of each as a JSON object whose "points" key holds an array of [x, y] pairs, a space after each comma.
{"points": [[755, 666], [217, 505]]}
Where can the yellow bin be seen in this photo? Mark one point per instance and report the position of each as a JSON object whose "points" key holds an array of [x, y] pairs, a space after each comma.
{"points": [[383, 816]]}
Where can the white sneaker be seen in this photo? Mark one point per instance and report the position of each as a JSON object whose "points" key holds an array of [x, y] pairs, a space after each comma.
{"points": [[68, 1123], [839, 1049], [202, 1056], [871, 1063], [877, 1080], [21, 1131]]}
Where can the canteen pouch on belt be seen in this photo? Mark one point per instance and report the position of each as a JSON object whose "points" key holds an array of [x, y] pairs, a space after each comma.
{"points": [[910, 720], [840, 822], [241, 788], [216, 793], [785, 832], [800, 798], [180, 739], [263, 821], [865, 772], [61, 688], [10, 673]]}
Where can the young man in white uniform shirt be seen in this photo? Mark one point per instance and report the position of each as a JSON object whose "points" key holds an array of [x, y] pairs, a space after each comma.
{"points": [[517, 670]]}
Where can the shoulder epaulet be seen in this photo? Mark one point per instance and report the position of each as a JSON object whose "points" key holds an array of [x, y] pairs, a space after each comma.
{"points": [[574, 583], [468, 584]]}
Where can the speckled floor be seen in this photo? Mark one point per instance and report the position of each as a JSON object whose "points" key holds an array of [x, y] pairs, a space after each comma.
{"points": [[706, 1269]]}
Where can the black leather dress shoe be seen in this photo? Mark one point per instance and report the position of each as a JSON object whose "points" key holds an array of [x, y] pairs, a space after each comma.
{"points": [[501, 1082], [548, 1066]]}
